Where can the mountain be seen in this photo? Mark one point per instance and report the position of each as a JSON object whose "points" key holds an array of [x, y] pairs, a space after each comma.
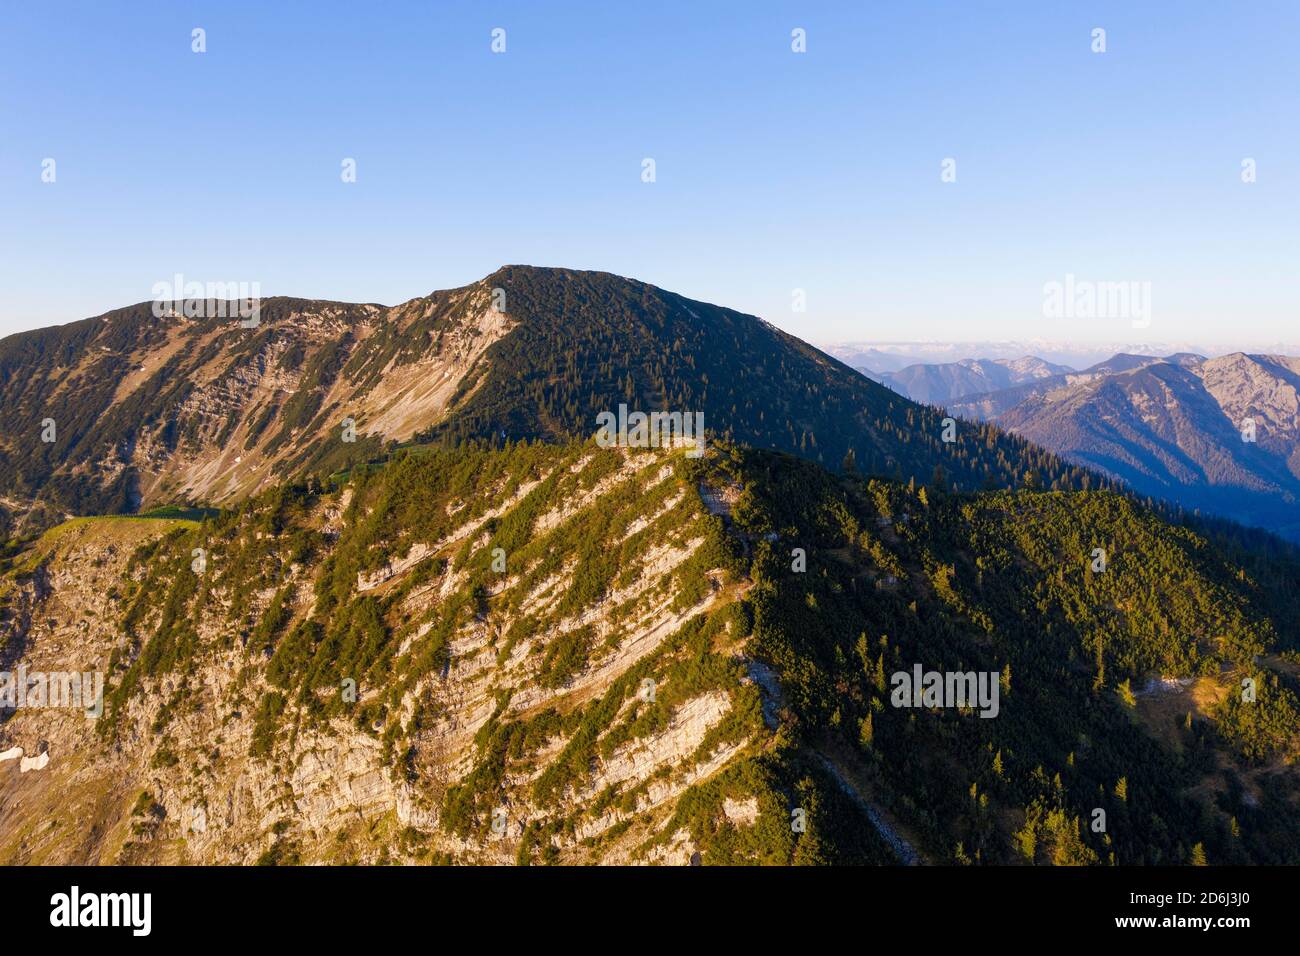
{"points": [[989, 405], [478, 635], [561, 653], [940, 384], [1174, 429], [147, 411], [880, 357]]}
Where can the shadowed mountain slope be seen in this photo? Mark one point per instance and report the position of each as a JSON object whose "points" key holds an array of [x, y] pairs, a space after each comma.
{"points": [[1221, 435]]}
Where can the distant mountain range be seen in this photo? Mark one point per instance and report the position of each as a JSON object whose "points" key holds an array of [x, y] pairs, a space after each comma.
{"points": [[1217, 434], [881, 357], [990, 405], [939, 384]]}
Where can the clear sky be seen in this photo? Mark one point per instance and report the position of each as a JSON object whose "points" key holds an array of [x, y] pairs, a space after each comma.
{"points": [[775, 171]]}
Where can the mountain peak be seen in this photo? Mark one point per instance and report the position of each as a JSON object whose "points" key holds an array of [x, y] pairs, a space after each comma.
{"points": [[151, 410]]}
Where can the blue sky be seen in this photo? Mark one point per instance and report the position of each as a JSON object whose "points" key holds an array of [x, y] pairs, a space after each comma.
{"points": [[775, 170]]}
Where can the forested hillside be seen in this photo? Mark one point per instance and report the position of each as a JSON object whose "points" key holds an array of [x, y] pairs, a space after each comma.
{"points": [[586, 341], [559, 653], [1122, 689]]}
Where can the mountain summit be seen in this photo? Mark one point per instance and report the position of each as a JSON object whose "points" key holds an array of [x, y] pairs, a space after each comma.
{"points": [[149, 410]]}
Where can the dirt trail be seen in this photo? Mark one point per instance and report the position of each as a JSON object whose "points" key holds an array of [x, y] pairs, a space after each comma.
{"points": [[771, 696]]}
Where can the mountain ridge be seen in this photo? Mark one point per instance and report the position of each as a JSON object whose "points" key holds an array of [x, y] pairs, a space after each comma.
{"points": [[152, 411], [1217, 434], [940, 384], [554, 653]]}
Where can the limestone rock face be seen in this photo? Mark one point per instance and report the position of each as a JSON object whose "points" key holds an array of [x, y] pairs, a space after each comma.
{"points": [[188, 762]]}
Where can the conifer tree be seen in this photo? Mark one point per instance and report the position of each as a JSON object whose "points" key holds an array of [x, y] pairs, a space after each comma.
{"points": [[1125, 692]]}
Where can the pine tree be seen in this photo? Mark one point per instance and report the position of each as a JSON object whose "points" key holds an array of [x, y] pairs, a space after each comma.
{"points": [[1121, 789], [1198, 855], [1026, 841], [1125, 692]]}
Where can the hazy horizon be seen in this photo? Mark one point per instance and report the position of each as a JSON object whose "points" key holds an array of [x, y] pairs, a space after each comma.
{"points": [[883, 356]]}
